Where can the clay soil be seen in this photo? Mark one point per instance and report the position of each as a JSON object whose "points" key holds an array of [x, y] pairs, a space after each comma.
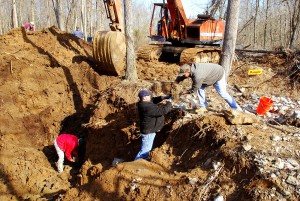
{"points": [[48, 86]]}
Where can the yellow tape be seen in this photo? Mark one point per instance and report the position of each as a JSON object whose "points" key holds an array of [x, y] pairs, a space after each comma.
{"points": [[255, 71]]}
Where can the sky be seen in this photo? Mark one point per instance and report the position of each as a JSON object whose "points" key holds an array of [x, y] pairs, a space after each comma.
{"points": [[191, 7]]}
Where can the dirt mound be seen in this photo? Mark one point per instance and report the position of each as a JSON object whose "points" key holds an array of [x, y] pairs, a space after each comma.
{"points": [[48, 86]]}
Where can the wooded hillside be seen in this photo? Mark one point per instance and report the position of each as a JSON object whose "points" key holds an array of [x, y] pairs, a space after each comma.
{"points": [[263, 24]]}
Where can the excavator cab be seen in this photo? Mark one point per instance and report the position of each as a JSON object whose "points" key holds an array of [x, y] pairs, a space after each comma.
{"points": [[159, 23], [173, 26]]}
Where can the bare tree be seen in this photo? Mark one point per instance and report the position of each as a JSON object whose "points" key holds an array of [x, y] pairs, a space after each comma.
{"points": [[83, 16], [70, 14], [216, 6], [20, 10], [48, 22], [230, 35], [131, 73], [255, 21], [294, 20], [266, 22], [58, 14], [90, 17], [14, 14], [32, 18]]}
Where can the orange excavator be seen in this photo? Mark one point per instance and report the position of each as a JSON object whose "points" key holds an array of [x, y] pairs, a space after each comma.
{"points": [[174, 33]]}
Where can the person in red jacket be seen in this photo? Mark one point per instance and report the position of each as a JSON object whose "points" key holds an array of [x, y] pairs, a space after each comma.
{"points": [[66, 144], [29, 26]]}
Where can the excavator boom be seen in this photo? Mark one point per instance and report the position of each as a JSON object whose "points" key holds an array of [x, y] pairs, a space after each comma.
{"points": [[114, 14]]}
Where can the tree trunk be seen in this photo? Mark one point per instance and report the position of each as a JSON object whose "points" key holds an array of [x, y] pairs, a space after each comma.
{"points": [[294, 22], [254, 24], [20, 18], [1, 25], [131, 73], [70, 14], [57, 10], [83, 16], [230, 35], [266, 22], [221, 9], [48, 14], [32, 18], [102, 16], [90, 22], [14, 14]]}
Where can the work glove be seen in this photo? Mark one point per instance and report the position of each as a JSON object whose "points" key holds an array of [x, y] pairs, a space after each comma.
{"points": [[167, 96]]}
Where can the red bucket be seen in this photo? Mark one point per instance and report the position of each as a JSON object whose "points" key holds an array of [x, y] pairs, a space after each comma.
{"points": [[264, 105]]}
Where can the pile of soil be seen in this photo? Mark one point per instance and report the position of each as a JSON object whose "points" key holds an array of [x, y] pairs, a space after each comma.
{"points": [[48, 86]]}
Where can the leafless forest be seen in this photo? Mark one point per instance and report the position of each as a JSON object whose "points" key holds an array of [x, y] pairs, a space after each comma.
{"points": [[263, 24]]}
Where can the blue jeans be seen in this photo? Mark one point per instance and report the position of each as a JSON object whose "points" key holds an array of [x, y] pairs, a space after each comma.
{"points": [[220, 86], [147, 143]]}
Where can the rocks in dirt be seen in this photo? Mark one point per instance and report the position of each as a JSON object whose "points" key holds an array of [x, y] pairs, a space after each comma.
{"points": [[186, 102], [276, 138], [293, 163], [284, 110], [296, 114], [247, 147], [216, 165], [278, 163], [207, 162], [116, 161], [219, 198], [192, 180], [238, 117], [292, 180], [284, 173], [134, 184]]}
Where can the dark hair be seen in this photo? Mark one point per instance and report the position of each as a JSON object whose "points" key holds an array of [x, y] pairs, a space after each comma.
{"points": [[81, 142]]}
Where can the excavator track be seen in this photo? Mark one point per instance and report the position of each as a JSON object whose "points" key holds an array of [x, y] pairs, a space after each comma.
{"points": [[109, 51], [197, 54], [149, 52], [200, 55]]}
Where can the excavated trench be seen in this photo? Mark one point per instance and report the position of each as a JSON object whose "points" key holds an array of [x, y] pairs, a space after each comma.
{"points": [[48, 87], [187, 151], [194, 156]]}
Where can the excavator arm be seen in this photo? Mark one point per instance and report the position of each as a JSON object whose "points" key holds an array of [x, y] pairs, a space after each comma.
{"points": [[114, 14], [109, 47]]}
